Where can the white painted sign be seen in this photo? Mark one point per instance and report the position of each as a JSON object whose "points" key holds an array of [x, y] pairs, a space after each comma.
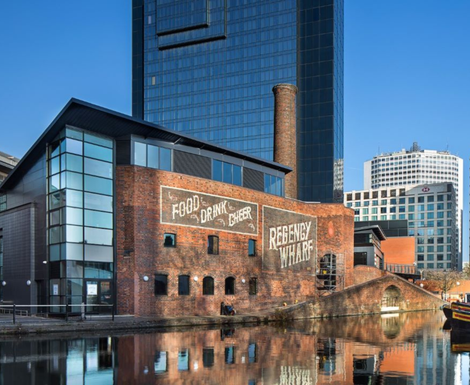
{"points": [[92, 289]]}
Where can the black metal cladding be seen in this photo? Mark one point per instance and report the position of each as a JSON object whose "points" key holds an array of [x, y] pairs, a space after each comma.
{"points": [[253, 179], [191, 164], [123, 152]]}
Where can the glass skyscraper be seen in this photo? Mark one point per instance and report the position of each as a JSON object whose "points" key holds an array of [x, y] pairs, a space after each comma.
{"points": [[207, 67]]}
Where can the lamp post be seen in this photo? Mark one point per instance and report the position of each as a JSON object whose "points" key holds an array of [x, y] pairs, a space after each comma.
{"points": [[445, 285]]}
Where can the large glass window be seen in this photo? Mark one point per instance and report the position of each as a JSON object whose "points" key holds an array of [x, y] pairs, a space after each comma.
{"points": [[226, 172], [273, 184], [80, 211], [152, 156]]}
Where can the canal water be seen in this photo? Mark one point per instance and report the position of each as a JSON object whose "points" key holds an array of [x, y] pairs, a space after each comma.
{"points": [[410, 348]]}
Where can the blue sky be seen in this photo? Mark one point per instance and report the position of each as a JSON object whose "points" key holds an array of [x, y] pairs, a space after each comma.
{"points": [[407, 72]]}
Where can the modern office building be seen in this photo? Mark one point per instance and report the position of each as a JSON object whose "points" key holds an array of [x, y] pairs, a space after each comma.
{"points": [[431, 211], [207, 68], [105, 209], [417, 166]]}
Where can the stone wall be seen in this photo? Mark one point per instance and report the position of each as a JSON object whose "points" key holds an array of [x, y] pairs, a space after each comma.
{"points": [[141, 253]]}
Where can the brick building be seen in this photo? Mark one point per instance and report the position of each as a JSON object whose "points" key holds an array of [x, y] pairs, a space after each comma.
{"points": [[105, 209]]}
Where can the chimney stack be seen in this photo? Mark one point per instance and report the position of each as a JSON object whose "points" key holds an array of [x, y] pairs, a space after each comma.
{"points": [[285, 136]]}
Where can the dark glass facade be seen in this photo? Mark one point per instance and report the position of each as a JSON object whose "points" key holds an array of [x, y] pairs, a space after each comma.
{"points": [[208, 68]]}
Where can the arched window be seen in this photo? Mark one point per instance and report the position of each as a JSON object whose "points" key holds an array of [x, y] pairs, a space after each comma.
{"points": [[183, 285], [229, 286], [208, 286]]}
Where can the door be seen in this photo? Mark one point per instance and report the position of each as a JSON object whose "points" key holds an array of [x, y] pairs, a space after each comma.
{"points": [[99, 293]]}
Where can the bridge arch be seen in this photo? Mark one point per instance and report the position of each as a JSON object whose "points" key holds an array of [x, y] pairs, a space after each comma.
{"points": [[392, 299]]}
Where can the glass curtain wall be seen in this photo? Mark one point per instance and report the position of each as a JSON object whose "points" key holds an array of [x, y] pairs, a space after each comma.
{"points": [[80, 220]]}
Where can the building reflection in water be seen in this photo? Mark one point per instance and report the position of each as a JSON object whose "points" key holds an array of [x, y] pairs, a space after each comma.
{"points": [[58, 361], [396, 349]]}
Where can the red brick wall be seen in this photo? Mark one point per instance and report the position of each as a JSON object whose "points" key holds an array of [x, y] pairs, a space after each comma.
{"points": [[140, 250], [364, 273], [285, 149]]}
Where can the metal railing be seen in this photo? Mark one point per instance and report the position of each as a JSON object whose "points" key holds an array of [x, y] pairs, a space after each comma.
{"points": [[401, 269], [22, 309]]}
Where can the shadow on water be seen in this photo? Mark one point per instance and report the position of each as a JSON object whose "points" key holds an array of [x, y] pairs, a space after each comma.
{"points": [[393, 348]]}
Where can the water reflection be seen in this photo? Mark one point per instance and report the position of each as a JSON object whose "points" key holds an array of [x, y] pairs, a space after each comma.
{"points": [[408, 348]]}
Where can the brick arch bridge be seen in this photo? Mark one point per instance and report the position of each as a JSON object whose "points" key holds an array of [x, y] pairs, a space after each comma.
{"points": [[386, 293]]}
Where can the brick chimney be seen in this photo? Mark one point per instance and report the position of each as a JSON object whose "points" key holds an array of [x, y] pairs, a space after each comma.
{"points": [[285, 148]]}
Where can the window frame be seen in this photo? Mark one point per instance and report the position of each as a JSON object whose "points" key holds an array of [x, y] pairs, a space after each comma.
{"points": [[252, 247], [253, 286], [229, 281], [181, 282], [155, 284], [213, 245], [207, 290], [172, 236]]}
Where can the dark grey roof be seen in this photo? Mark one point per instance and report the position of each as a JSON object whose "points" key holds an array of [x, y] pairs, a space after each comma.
{"points": [[110, 123], [376, 229]]}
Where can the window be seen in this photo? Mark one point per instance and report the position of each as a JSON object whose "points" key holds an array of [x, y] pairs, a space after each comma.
{"points": [[169, 240], [253, 288], [252, 354], [160, 363], [273, 184], [208, 357], [226, 172], [251, 248], [161, 284], [3, 202], [230, 286], [147, 155], [183, 285], [230, 355], [208, 286], [183, 360], [213, 245]]}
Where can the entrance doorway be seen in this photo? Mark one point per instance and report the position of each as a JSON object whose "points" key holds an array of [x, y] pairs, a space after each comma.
{"points": [[98, 293]]}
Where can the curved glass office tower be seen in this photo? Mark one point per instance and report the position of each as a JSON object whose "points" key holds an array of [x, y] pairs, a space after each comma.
{"points": [[207, 67]]}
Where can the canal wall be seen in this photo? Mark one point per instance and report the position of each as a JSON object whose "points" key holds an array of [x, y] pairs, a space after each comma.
{"points": [[388, 293]]}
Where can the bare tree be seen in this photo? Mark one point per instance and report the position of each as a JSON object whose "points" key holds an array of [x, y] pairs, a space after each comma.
{"points": [[444, 280]]}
